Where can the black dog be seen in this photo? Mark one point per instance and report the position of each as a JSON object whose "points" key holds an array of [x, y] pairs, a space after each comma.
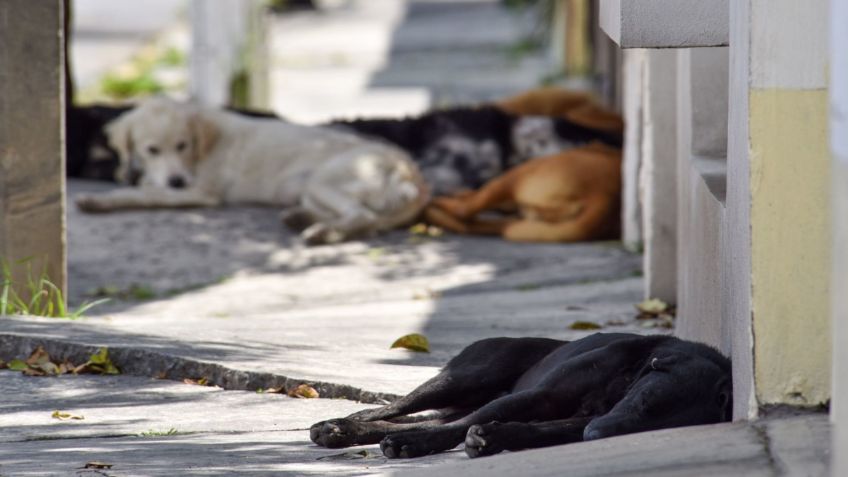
{"points": [[464, 147], [87, 150], [516, 393]]}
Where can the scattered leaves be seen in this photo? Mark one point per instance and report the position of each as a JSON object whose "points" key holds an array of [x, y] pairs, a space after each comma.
{"points": [[98, 363], [413, 342], [198, 382], [585, 325], [39, 363], [64, 416], [424, 230], [95, 464], [304, 391]]}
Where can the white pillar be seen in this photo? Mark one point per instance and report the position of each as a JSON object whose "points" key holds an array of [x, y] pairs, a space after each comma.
{"points": [[658, 176], [839, 144], [631, 210], [228, 47]]}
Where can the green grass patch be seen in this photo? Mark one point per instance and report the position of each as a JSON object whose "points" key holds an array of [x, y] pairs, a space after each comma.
{"points": [[153, 433], [39, 296]]}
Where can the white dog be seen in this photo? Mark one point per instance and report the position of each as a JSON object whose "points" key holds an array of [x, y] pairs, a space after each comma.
{"points": [[193, 157]]}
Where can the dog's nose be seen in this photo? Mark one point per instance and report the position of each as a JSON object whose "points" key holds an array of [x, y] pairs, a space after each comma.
{"points": [[176, 182]]}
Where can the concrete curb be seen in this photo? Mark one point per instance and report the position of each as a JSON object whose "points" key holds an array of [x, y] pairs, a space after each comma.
{"points": [[148, 363]]}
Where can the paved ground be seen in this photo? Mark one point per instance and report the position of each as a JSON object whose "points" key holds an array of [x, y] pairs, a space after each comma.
{"points": [[229, 295]]}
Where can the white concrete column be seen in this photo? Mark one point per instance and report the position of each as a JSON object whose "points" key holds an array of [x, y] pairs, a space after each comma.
{"points": [[32, 148], [658, 175], [701, 139], [778, 258], [228, 52], [839, 144], [631, 216]]}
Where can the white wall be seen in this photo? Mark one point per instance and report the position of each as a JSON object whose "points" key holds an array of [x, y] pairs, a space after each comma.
{"points": [[839, 143]]}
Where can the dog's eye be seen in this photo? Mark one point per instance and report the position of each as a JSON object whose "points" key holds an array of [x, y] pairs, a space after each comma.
{"points": [[153, 150], [181, 146]]}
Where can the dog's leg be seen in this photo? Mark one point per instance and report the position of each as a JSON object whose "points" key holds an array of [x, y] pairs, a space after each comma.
{"points": [[480, 373], [494, 437], [536, 404], [589, 225], [494, 193], [297, 218], [337, 433], [145, 198], [339, 215]]}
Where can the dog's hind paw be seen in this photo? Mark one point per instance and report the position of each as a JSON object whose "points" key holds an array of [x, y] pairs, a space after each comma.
{"points": [[335, 433], [397, 447], [481, 440], [91, 203]]}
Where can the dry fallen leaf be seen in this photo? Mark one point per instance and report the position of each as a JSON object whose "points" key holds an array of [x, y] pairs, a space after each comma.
{"points": [[413, 342], [303, 391], [198, 382], [64, 416], [585, 325], [16, 365], [654, 306]]}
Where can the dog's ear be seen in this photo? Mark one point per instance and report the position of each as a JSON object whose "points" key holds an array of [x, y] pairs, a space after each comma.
{"points": [[205, 134], [119, 136], [665, 363]]}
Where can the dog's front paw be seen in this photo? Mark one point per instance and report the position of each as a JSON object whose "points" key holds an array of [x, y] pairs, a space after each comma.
{"points": [[321, 234], [334, 433], [483, 440], [92, 203], [401, 446], [296, 218]]}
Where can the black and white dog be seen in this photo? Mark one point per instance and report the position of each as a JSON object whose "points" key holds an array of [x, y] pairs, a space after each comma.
{"points": [[517, 393], [465, 147], [455, 148]]}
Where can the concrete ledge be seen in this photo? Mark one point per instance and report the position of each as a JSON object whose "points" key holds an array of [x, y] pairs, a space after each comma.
{"points": [[146, 362], [665, 23]]}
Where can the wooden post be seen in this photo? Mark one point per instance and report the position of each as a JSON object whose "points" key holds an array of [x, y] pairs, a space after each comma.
{"points": [[32, 157]]}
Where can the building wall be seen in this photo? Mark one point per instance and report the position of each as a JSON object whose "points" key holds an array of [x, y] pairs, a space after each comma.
{"points": [[790, 204], [839, 313], [777, 233]]}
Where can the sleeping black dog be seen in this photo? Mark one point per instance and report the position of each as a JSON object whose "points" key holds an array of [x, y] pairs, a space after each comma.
{"points": [[464, 147], [517, 393]]}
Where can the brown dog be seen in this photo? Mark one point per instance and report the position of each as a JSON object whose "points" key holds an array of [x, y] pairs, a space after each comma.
{"points": [[567, 197], [577, 106]]}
